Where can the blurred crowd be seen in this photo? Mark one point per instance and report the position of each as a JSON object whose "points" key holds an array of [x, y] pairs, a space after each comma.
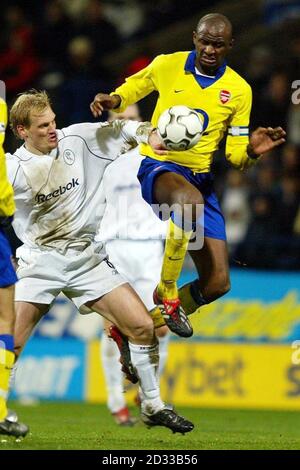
{"points": [[62, 46]]}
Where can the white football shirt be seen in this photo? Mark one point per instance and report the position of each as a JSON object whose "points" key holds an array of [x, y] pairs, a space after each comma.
{"points": [[127, 215], [59, 196]]}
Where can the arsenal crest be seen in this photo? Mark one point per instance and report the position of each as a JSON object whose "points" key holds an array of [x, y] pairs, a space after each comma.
{"points": [[225, 96]]}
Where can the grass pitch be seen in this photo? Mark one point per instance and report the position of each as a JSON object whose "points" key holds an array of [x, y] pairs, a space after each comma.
{"points": [[62, 426]]}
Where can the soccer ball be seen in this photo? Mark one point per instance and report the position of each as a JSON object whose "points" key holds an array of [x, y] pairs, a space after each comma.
{"points": [[180, 127]]}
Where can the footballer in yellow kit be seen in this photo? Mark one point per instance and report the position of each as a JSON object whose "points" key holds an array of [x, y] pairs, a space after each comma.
{"points": [[9, 424], [224, 101], [7, 205], [202, 80]]}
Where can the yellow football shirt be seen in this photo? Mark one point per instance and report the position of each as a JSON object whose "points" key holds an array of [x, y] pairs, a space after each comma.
{"points": [[7, 205], [225, 105]]}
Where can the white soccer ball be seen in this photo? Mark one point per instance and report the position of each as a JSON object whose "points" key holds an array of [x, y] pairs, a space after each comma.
{"points": [[180, 127]]}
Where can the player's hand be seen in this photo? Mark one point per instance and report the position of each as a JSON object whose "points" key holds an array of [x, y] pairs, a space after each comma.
{"points": [[103, 102], [157, 144], [264, 139]]}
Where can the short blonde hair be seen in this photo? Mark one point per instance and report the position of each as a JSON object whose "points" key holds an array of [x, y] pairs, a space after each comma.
{"points": [[24, 104]]}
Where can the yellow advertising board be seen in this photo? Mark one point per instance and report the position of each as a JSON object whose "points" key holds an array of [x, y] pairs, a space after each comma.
{"points": [[218, 375]]}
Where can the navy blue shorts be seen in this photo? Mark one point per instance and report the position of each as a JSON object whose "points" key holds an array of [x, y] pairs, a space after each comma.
{"points": [[214, 223], [7, 272]]}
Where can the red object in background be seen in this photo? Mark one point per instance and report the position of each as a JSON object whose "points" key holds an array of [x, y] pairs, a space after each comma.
{"points": [[135, 66], [19, 65]]}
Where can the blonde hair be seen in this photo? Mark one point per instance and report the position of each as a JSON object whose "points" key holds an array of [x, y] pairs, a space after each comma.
{"points": [[24, 104]]}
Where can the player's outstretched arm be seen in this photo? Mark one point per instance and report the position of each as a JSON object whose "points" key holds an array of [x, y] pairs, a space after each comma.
{"points": [[156, 143], [264, 139], [103, 102]]}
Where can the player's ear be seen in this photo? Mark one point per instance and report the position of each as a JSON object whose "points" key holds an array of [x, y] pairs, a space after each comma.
{"points": [[231, 43], [21, 130], [194, 37]]}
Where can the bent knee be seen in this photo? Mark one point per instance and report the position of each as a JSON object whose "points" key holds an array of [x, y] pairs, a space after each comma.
{"points": [[187, 203], [219, 288], [143, 332], [191, 205], [222, 288]]}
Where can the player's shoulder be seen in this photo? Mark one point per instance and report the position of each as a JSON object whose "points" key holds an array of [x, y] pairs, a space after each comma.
{"points": [[77, 129], [236, 79], [19, 155], [11, 157], [172, 58], [12, 164], [12, 161]]}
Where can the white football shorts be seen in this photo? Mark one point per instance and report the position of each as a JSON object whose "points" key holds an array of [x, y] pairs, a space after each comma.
{"points": [[140, 262], [81, 275]]}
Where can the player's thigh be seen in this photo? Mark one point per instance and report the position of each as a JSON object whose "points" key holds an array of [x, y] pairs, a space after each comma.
{"points": [[147, 275], [90, 277], [124, 308], [212, 260], [7, 303], [139, 262], [172, 188]]}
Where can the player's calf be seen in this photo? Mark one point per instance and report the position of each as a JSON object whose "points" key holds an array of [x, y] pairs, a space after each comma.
{"points": [[125, 359]]}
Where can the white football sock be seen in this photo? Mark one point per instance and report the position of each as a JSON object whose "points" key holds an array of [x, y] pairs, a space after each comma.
{"points": [[113, 375], [145, 360], [163, 352], [12, 377]]}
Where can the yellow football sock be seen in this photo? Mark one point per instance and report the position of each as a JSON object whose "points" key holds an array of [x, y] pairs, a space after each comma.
{"points": [[175, 250], [6, 363], [188, 303], [157, 317]]}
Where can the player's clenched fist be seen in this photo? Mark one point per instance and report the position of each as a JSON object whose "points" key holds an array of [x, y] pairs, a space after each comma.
{"points": [[103, 102]]}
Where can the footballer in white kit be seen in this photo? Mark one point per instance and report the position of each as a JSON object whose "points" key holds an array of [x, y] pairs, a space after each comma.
{"points": [[60, 203], [133, 237], [57, 178], [132, 233]]}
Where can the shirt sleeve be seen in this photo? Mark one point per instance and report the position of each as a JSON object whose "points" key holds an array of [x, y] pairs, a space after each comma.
{"points": [[137, 86], [238, 132], [86, 130], [110, 135], [134, 131]]}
